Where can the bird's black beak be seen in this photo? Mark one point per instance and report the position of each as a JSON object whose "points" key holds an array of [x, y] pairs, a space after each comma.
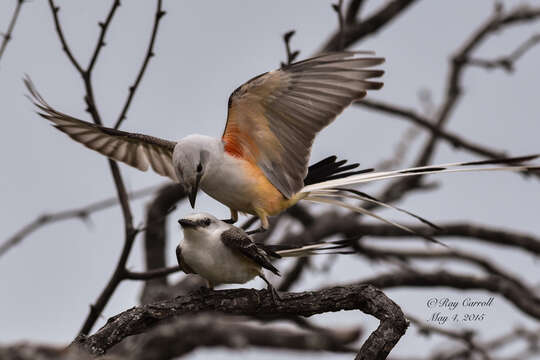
{"points": [[194, 191], [186, 223]]}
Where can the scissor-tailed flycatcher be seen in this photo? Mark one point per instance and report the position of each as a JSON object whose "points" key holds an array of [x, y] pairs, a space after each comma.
{"points": [[259, 164], [224, 254]]}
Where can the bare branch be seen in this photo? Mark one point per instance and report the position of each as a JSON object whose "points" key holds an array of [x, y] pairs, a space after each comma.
{"points": [[101, 41], [9, 33], [371, 25], [260, 304], [417, 119], [523, 300], [354, 8], [291, 55], [130, 232], [454, 231], [149, 54], [151, 274], [341, 22], [81, 213], [507, 62], [55, 9], [182, 335]]}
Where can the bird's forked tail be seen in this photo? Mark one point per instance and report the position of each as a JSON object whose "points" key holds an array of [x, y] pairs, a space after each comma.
{"points": [[334, 191]]}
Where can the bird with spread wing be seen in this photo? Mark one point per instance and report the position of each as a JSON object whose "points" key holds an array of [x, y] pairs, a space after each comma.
{"points": [[260, 164]]}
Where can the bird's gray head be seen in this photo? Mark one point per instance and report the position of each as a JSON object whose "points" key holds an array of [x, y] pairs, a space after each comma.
{"points": [[202, 223], [191, 158]]}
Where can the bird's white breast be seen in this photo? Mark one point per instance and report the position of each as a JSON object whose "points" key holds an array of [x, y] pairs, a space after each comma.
{"points": [[215, 262]]}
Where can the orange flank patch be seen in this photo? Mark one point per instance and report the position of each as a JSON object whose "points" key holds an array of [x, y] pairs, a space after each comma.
{"points": [[231, 138], [264, 195], [238, 135]]}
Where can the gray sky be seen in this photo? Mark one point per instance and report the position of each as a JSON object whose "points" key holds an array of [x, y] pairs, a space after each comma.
{"points": [[204, 51]]}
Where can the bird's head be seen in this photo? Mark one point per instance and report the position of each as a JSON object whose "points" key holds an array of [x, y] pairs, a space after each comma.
{"points": [[199, 223], [191, 157]]}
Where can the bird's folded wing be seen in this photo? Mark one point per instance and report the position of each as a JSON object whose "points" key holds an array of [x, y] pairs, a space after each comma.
{"points": [[137, 150], [273, 118], [181, 263], [237, 240]]}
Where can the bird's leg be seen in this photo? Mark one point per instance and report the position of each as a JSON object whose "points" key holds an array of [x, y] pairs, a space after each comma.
{"points": [[264, 223], [234, 217], [273, 292], [205, 290], [256, 231]]}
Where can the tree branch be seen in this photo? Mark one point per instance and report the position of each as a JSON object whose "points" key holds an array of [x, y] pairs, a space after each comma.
{"points": [[55, 9], [453, 231], [101, 41], [523, 300], [182, 335], [260, 304], [417, 119], [81, 213], [130, 232], [507, 62], [371, 25], [149, 53], [9, 33]]}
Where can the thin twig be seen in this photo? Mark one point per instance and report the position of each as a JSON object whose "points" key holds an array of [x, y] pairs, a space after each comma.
{"points": [[150, 274], [9, 33], [341, 22], [55, 9], [507, 62], [101, 40], [354, 8], [149, 54], [291, 55], [81, 213]]}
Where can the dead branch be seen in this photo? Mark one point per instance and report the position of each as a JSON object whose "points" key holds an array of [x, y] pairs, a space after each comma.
{"points": [[259, 303], [9, 33], [149, 54], [184, 334], [523, 300], [130, 232], [359, 30], [507, 62], [82, 213]]}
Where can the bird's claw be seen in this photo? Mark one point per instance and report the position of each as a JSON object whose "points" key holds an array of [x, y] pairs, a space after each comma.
{"points": [[256, 231], [274, 295]]}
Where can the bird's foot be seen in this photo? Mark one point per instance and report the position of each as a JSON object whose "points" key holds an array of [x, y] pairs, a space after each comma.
{"points": [[274, 294], [256, 231], [229, 221], [204, 290]]}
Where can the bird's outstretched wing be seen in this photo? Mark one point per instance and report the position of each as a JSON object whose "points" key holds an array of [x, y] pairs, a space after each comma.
{"points": [[137, 150], [273, 118], [239, 241]]}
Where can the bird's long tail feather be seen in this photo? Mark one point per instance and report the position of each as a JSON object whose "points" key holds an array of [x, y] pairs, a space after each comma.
{"points": [[444, 168], [328, 198], [328, 247], [332, 191]]}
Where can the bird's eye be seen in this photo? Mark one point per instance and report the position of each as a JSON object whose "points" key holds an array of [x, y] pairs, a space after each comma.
{"points": [[206, 222], [199, 167]]}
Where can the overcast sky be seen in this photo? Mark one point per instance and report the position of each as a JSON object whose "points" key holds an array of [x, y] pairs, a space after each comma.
{"points": [[204, 51]]}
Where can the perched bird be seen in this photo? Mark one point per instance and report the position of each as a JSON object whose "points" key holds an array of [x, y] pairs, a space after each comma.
{"points": [[260, 164], [224, 254]]}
